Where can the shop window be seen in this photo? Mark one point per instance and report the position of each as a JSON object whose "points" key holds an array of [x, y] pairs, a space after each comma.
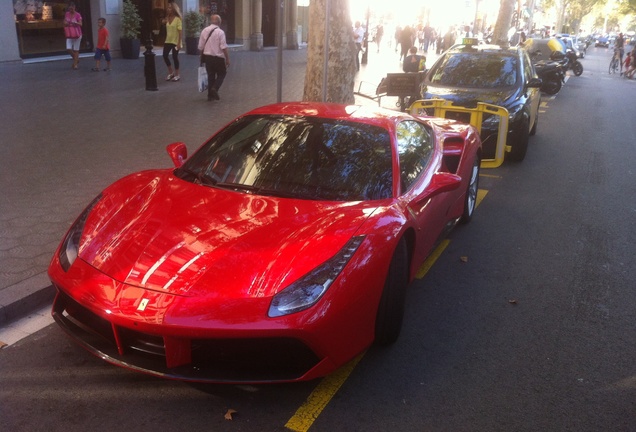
{"points": [[40, 26]]}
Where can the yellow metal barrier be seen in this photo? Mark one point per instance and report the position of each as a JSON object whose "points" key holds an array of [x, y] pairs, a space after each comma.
{"points": [[441, 107]]}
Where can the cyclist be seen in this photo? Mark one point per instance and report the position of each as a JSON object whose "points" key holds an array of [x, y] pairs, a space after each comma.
{"points": [[619, 44]]}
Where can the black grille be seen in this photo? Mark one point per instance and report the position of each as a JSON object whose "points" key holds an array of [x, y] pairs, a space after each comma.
{"points": [[213, 360]]}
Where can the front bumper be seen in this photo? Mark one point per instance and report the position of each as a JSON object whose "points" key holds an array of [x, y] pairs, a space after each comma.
{"points": [[274, 359]]}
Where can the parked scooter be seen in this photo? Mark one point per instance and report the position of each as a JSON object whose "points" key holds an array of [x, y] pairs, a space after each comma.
{"points": [[552, 74], [573, 63]]}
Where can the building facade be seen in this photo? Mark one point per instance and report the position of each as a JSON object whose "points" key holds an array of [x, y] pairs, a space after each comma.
{"points": [[31, 29]]}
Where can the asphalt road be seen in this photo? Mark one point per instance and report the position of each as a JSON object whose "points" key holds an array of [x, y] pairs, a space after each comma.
{"points": [[526, 321]]}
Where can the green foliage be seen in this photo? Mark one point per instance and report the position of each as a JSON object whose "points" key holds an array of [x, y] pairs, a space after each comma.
{"points": [[130, 21], [193, 22]]}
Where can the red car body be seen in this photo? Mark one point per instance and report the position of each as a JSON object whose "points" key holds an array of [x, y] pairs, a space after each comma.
{"points": [[176, 279]]}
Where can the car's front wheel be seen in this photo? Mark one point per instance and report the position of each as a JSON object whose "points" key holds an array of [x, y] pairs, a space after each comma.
{"points": [[388, 321], [520, 146], [471, 193]]}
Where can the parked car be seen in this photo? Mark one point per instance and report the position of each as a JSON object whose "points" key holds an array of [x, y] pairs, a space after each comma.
{"points": [[581, 44], [503, 76], [279, 251]]}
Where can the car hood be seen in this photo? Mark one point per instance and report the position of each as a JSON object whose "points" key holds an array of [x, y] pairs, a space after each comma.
{"points": [[156, 231], [470, 96]]}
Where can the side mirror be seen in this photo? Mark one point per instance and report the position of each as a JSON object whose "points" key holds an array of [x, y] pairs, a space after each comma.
{"points": [[178, 153]]}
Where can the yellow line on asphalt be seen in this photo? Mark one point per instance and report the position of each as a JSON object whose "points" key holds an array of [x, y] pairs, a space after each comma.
{"points": [[481, 193], [432, 258], [307, 414], [490, 176], [316, 402]]}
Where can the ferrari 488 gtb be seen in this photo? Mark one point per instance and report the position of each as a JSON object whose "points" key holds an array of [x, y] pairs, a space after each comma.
{"points": [[278, 251]]}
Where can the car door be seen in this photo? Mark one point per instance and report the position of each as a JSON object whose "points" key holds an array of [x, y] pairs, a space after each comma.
{"points": [[534, 94], [419, 161]]}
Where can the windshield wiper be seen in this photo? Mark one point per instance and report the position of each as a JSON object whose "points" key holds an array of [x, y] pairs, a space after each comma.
{"points": [[200, 178]]}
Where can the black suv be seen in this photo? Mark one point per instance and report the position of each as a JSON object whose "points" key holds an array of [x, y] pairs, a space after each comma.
{"points": [[469, 73]]}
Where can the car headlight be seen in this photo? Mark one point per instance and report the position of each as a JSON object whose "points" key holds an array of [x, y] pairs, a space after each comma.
{"points": [[70, 246], [307, 290], [514, 112]]}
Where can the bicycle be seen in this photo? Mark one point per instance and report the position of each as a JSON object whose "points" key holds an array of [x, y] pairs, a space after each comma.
{"points": [[615, 62]]}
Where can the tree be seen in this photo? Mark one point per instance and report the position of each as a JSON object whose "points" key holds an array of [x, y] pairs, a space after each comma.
{"points": [[502, 26], [341, 61]]}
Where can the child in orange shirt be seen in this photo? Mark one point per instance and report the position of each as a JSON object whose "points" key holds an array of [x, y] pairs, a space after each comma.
{"points": [[103, 45]]}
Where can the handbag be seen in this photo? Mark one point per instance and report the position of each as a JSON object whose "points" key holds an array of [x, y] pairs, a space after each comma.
{"points": [[206, 42], [203, 79], [72, 32]]}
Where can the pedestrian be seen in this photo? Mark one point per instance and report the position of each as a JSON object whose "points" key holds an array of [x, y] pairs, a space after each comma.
{"points": [[620, 44], [215, 55], [406, 41], [358, 37], [103, 45], [379, 32], [628, 66], [414, 62], [174, 28], [73, 33]]}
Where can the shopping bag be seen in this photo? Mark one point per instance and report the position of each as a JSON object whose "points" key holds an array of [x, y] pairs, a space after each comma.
{"points": [[203, 79]]}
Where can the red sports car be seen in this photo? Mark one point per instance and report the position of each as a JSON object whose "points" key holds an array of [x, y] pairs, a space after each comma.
{"points": [[278, 251]]}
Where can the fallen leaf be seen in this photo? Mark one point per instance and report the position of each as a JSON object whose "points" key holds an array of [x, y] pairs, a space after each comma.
{"points": [[228, 414], [2, 344], [463, 259], [512, 301]]}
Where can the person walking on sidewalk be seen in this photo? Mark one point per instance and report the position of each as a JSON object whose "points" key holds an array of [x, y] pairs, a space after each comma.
{"points": [[103, 45], [174, 27], [215, 55], [73, 33]]}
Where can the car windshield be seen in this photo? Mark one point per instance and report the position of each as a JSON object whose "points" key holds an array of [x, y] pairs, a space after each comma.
{"points": [[296, 157], [476, 69]]}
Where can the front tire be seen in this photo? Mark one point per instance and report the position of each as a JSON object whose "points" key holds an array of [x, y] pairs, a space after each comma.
{"points": [[388, 321], [577, 68], [520, 145], [471, 192]]}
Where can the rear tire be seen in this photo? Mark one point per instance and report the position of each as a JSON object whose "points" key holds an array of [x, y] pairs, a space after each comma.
{"points": [[551, 86], [577, 68], [388, 321], [471, 192]]}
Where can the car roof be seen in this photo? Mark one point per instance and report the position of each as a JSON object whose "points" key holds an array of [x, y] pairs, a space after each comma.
{"points": [[381, 117], [487, 48]]}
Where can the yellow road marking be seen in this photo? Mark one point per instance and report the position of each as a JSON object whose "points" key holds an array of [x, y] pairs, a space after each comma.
{"points": [[316, 402], [481, 193], [489, 175], [432, 258], [320, 397]]}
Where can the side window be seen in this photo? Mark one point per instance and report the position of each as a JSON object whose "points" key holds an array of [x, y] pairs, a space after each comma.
{"points": [[415, 148], [528, 70]]}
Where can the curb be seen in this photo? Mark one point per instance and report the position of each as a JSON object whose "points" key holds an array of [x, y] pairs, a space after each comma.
{"points": [[17, 301]]}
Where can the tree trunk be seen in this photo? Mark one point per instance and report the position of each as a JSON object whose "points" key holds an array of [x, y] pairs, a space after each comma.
{"points": [[502, 26], [341, 61]]}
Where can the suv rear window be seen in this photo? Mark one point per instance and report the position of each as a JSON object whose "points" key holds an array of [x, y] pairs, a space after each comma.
{"points": [[479, 69]]}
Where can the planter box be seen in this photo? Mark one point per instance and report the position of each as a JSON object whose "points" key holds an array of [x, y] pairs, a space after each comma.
{"points": [[130, 48]]}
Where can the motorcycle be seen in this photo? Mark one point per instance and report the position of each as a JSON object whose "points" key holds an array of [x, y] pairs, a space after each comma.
{"points": [[573, 63], [552, 74]]}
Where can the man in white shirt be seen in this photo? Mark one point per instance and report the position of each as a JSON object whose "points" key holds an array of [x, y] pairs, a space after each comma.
{"points": [[215, 55]]}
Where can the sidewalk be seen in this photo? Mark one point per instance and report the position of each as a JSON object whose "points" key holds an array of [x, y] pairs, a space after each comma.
{"points": [[68, 134]]}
